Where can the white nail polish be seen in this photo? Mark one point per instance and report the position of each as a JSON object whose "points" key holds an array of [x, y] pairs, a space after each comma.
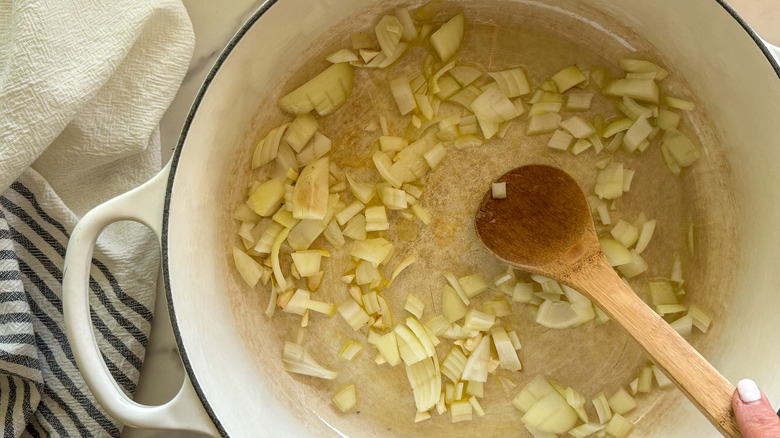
{"points": [[748, 391]]}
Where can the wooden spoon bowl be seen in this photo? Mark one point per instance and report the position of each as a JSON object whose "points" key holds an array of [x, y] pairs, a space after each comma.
{"points": [[544, 226]]}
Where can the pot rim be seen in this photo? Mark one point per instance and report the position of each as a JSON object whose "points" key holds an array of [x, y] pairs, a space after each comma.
{"points": [[262, 9]]}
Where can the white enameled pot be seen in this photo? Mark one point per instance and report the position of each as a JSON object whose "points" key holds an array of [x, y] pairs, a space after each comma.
{"points": [[235, 384]]}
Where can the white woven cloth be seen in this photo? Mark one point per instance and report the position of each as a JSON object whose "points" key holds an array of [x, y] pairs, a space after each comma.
{"points": [[83, 86]]}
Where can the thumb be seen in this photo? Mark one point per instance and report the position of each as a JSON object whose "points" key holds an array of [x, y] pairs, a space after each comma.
{"points": [[755, 416]]}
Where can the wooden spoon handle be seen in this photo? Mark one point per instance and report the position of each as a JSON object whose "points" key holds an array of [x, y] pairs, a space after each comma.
{"points": [[709, 391]]}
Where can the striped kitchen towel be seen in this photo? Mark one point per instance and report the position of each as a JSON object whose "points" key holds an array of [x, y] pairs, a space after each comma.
{"points": [[83, 86]]}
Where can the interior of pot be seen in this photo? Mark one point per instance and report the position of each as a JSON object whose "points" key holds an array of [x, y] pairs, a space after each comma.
{"points": [[232, 350]]}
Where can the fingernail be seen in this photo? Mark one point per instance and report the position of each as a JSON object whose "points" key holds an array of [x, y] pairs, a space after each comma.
{"points": [[748, 391]]}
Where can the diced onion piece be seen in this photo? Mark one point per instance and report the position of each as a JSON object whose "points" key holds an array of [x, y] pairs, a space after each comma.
{"points": [[586, 429], [507, 354], [267, 148], [300, 131], [661, 292], [661, 379], [603, 410], [316, 148], [356, 228], [633, 65], [376, 218], [619, 426], [635, 88], [532, 392], [280, 280], [453, 364], [307, 262], [700, 319], [560, 140], [446, 40], [476, 389], [617, 126], [513, 82], [310, 194], [578, 101], [403, 95], [389, 143], [383, 164], [387, 345], [617, 254], [478, 321], [683, 325], [267, 198], [350, 350], [295, 359], [676, 102], [324, 93], [568, 78], [522, 292], [453, 307], [678, 150], [421, 213], [577, 402], [460, 410], [625, 233], [666, 309], [364, 192], [308, 230], [409, 31], [410, 347], [636, 266], [355, 316], [388, 34], [476, 365], [477, 407], [465, 74], [580, 146], [342, 55], [473, 285], [349, 212], [557, 315], [645, 235], [394, 199], [621, 402], [676, 276], [414, 306], [636, 134], [346, 398], [542, 123], [578, 127], [250, 270], [645, 380], [551, 414], [434, 156], [609, 181], [498, 190]]}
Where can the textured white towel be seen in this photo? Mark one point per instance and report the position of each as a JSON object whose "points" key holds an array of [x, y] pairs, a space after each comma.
{"points": [[83, 86]]}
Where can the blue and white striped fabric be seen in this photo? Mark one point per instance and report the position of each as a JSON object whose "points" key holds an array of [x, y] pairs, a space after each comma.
{"points": [[83, 87], [41, 390]]}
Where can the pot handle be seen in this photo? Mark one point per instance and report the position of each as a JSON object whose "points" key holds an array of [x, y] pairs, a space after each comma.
{"points": [[144, 205]]}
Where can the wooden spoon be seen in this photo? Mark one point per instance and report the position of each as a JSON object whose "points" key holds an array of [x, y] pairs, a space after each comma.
{"points": [[544, 226]]}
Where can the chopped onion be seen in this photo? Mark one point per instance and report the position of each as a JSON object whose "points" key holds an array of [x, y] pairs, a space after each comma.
{"points": [[551, 414], [609, 181], [586, 429], [355, 316], [343, 55], [619, 426], [476, 365], [473, 285], [603, 410], [307, 262], [346, 398], [376, 218], [621, 402], [507, 354], [324, 93], [250, 270], [638, 88], [560, 140], [403, 95], [568, 78], [414, 306], [351, 350], [645, 235], [295, 359], [542, 123], [460, 410], [446, 40], [356, 228], [513, 83], [301, 131], [316, 148], [557, 315], [267, 148], [310, 194]]}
